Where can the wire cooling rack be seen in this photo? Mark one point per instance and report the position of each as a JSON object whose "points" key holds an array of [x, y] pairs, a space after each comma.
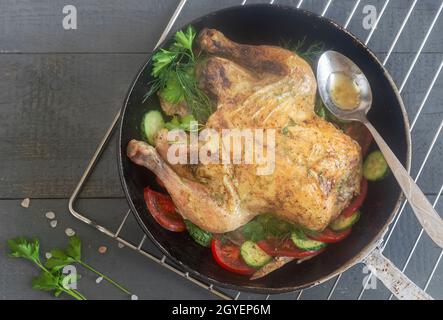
{"points": [[336, 282]]}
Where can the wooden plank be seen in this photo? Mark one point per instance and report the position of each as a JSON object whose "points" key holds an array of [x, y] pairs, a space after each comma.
{"points": [[55, 109], [102, 25], [197, 8], [133, 26]]}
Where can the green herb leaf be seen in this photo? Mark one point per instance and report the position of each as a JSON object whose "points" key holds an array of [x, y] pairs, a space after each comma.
{"points": [[175, 79], [186, 123], [185, 39], [46, 282], [66, 280], [74, 249], [172, 92], [320, 109], [50, 278], [173, 124], [59, 259], [24, 248], [254, 231], [162, 59], [266, 226]]}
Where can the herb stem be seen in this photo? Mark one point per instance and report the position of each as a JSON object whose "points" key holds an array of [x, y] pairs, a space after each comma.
{"points": [[82, 297], [115, 284], [72, 292]]}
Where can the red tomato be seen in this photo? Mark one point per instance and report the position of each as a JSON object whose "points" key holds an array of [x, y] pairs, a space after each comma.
{"points": [[358, 200], [359, 133], [284, 248], [329, 236], [163, 210], [228, 257]]}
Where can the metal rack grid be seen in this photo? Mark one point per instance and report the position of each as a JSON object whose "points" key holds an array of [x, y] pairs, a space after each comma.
{"points": [[217, 292]]}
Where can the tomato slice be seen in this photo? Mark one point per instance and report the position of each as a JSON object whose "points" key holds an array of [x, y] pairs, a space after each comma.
{"points": [[357, 202], [284, 248], [359, 133], [227, 255], [329, 236], [163, 210]]}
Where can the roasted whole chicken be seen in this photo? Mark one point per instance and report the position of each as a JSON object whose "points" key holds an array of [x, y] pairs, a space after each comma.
{"points": [[317, 167]]}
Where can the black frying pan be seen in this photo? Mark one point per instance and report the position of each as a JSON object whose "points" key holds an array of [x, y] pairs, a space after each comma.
{"points": [[266, 24]]}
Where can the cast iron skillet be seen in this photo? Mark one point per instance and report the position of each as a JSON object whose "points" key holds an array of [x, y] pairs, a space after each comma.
{"points": [[266, 24]]}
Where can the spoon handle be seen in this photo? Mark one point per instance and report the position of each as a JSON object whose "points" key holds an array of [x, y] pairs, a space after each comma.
{"points": [[423, 209]]}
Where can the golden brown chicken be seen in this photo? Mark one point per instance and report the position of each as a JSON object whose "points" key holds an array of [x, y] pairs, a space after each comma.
{"points": [[317, 167]]}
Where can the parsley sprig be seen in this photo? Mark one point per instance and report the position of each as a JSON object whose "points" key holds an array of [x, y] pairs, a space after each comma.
{"points": [[175, 79], [51, 278], [48, 280]]}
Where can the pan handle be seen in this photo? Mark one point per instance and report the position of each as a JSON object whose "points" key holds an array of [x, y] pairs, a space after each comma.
{"points": [[395, 280]]}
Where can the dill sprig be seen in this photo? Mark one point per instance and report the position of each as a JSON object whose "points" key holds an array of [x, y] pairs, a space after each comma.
{"points": [[309, 52], [175, 79]]}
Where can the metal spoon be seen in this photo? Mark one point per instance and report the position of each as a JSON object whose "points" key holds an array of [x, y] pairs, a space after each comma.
{"points": [[332, 63]]}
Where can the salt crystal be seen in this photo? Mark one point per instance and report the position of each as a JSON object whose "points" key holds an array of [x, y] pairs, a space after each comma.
{"points": [[134, 297], [98, 280], [53, 223], [25, 203], [69, 232], [102, 249], [50, 215]]}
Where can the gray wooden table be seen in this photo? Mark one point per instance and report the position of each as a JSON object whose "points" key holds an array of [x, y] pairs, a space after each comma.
{"points": [[59, 91]]}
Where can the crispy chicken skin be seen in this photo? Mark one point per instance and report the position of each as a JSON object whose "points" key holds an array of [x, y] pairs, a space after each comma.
{"points": [[317, 167]]}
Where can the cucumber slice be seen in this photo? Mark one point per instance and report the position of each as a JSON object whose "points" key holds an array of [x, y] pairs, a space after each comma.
{"points": [[253, 255], [152, 123], [375, 166], [200, 236], [343, 223], [304, 243]]}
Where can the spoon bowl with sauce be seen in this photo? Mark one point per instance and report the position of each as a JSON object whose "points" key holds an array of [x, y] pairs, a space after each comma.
{"points": [[343, 87], [347, 94]]}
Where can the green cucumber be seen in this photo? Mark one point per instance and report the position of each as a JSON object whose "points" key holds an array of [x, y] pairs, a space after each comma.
{"points": [[253, 255], [152, 123], [200, 236], [375, 166], [304, 243], [343, 223]]}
